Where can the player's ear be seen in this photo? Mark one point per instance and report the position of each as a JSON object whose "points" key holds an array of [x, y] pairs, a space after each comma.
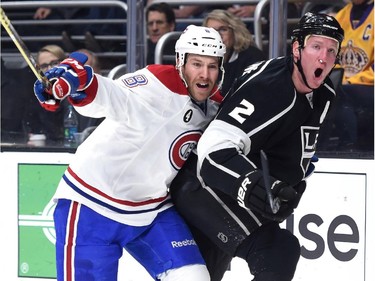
{"points": [[295, 50]]}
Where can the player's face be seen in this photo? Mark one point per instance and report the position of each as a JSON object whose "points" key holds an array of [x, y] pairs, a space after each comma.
{"points": [[200, 73], [317, 59]]}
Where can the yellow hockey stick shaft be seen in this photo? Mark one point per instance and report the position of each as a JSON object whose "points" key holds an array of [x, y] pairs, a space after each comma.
{"points": [[26, 54]]}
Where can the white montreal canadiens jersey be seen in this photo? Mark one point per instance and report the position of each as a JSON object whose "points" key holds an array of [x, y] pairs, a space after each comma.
{"points": [[124, 168]]}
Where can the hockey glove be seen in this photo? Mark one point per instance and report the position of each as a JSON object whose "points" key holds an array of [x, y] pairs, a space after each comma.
{"points": [[287, 206], [252, 194], [70, 78], [45, 98]]}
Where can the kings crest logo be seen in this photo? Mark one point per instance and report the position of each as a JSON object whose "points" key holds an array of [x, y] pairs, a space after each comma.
{"points": [[309, 136], [182, 146], [353, 59]]}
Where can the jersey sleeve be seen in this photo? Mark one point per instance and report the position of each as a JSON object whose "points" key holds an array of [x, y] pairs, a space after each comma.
{"points": [[112, 98], [222, 155], [246, 120]]}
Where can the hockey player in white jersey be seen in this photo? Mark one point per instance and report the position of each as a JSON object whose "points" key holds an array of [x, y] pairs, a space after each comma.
{"points": [[114, 194]]}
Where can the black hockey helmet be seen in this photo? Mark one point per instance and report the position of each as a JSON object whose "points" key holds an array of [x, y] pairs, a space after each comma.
{"points": [[318, 24]]}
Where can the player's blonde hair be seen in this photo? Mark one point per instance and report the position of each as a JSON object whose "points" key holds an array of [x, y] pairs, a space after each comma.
{"points": [[242, 36]]}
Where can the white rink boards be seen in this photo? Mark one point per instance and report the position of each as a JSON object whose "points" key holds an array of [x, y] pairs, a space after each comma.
{"points": [[334, 221]]}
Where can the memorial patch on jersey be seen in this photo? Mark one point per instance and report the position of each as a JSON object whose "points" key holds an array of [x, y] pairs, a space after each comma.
{"points": [[182, 146], [134, 81]]}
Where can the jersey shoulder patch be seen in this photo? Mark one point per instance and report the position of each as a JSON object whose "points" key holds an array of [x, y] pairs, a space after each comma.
{"points": [[168, 76]]}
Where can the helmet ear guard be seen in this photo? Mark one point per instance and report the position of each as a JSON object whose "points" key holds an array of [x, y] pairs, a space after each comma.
{"points": [[199, 40]]}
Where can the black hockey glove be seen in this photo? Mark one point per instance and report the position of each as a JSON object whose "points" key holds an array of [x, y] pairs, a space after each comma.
{"points": [[251, 193], [287, 206]]}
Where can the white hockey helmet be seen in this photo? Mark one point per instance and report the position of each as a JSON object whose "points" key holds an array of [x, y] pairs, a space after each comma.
{"points": [[199, 40]]}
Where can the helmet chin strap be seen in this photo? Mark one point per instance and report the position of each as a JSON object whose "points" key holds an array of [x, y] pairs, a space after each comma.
{"points": [[300, 69]]}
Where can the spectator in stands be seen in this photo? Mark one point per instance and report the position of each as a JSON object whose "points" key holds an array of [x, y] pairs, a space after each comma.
{"points": [[356, 107], [39, 121], [50, 124], [59, 13], [160, 19], [242, 11], [42, 13], [189, 12], [92, 30], [357, 55], [89, 31], [248, 11], [92, 60], [186, 12], [49, 56], [241, 49], [328, 8]]}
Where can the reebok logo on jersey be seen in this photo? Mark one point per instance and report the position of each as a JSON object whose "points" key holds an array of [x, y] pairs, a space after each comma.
{"points": [[184, 243], [242, 192]]}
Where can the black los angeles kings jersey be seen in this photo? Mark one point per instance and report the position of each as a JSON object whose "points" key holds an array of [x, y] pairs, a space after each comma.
{"points": [[263, 112]]}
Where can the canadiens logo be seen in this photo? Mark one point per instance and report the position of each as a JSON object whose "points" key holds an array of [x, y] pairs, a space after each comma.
{"points": [[182, 146]]}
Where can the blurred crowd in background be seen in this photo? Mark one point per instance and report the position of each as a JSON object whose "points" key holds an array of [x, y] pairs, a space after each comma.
{"points": [[350, 127]]}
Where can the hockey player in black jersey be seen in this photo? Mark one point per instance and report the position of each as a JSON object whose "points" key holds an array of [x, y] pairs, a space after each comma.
{"points": [[276, 106]]}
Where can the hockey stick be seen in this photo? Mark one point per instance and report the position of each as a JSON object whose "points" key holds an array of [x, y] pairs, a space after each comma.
{"points": [[274, 202], [23, 49]]}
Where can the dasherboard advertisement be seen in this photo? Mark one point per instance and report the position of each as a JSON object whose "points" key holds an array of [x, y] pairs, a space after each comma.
{"points": [[330, 224], [36, 185]]}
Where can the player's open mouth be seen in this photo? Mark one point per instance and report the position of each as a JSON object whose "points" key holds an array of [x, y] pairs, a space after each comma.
{"points": [[202, 86], [318, 72]]}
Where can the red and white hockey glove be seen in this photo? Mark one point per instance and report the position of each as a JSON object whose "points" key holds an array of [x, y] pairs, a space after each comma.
{"points": [[70, 78]]}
